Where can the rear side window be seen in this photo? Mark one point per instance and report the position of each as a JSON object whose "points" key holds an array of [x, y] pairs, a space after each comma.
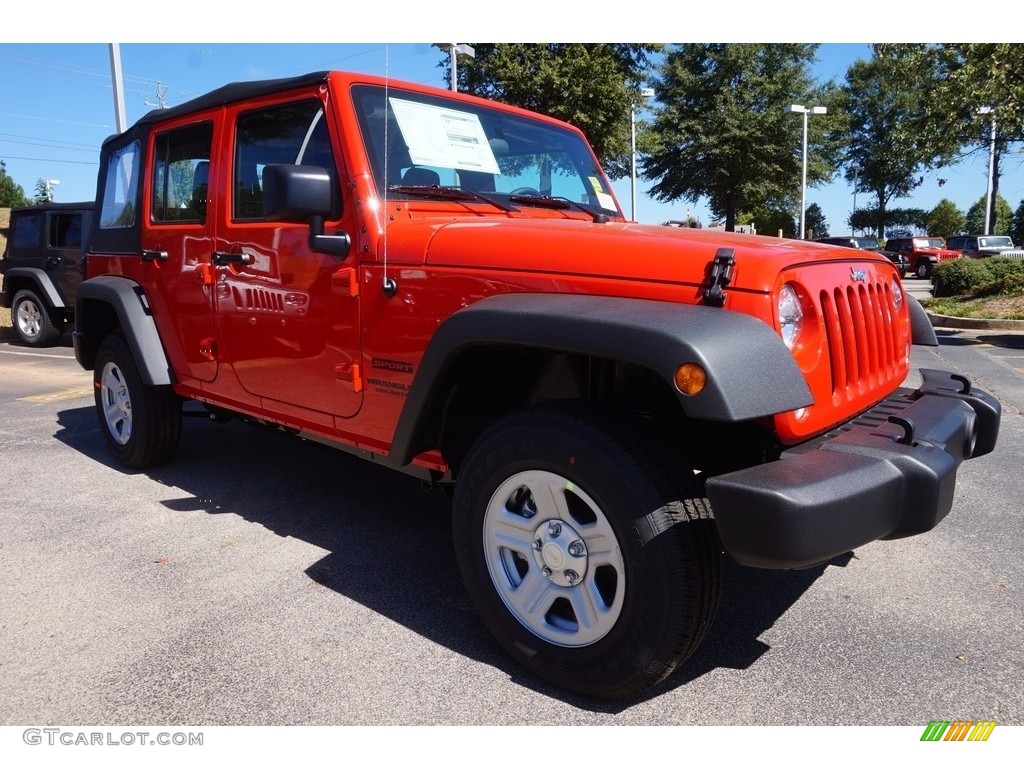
{"points": [[181, 161], [65, 230], [121, 188], [294, 134], [28, 231]]}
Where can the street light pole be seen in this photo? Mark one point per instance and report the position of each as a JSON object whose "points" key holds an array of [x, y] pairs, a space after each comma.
{"points": [[646, 93], [805, 111], [856, 170], [454, 51], [989, 215]]}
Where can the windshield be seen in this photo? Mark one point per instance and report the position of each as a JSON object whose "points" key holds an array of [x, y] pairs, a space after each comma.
{"points": [[995, 242], [422, 141], [929, 242]]}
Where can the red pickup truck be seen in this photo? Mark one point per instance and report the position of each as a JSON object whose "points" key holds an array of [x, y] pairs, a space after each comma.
{"points": [[447, 286]]}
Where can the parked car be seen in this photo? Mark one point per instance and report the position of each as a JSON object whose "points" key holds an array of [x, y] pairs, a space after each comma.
{"points": [[921, 254], [983, 246], [42, 267], [866, 244]]}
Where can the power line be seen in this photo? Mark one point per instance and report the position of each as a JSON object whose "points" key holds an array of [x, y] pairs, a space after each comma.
{"points": [[49, 160]]}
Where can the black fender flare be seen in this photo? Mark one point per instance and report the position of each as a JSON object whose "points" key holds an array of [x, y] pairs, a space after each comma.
{"points": [[921, 330], [750, 372], [134, 319], [42, 282]]}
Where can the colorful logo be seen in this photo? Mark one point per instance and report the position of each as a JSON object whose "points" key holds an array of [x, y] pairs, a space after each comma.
{"points": [[958, 730]]}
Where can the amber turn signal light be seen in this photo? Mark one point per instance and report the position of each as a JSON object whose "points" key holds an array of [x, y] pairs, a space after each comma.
{"points": [[690, 379]]}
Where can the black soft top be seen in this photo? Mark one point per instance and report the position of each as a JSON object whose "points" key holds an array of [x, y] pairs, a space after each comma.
{"points": [[128, 239], [230, 93]]}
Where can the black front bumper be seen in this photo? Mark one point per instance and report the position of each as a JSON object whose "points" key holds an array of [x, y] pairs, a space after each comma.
{"points": [[888, 473]]}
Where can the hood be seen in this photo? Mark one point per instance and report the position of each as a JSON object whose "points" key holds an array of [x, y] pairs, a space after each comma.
{"points": [[640, 252]]}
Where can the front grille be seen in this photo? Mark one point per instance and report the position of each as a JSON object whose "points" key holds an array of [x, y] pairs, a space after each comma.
{"points": [[863, 340]]}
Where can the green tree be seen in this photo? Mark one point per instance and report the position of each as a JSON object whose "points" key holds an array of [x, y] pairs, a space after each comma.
{"points": [[11, 194], [885, 100], [814, 221], [593, 86], [1017, 227], [721, 130], [44, 192], [892, 218], [1003, 219], [770, 221], [961, 79], [946, 220]]}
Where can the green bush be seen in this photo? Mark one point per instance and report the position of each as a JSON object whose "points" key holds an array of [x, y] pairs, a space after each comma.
{"points": [[1002, 268], [959, 276], [1009, 283], [981, 277]]}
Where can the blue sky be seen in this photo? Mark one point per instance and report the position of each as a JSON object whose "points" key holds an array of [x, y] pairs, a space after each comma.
{"points": [[56, 107]]}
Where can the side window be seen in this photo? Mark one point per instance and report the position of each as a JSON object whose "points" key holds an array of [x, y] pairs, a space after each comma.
{"points": [[293, 134], [181, 161], [65, 230], [121, 188], [28, 230]]}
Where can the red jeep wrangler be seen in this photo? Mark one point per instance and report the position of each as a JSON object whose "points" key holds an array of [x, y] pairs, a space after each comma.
{"points": [[447, 286]]}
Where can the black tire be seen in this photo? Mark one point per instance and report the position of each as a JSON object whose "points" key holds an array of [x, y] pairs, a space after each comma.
{"points": [[141, 423], [32, 321], [924, 269], [618, 614]]}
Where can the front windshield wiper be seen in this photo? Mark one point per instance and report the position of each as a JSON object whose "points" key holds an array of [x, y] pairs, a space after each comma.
{"points": [[448, 193], [560, 203]]}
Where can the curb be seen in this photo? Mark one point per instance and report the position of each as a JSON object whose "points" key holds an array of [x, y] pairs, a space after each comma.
{"points": [[975, 323]]}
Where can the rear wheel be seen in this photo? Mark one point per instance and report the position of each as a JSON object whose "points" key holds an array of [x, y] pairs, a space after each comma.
{"points": [[587, 548], [141, 423], [32, 320]]}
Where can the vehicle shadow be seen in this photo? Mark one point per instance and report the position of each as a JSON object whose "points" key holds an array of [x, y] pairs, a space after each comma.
{"points": [[389, 541], [995, 339]]}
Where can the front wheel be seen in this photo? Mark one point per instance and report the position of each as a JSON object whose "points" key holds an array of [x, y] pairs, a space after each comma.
{"points": [[141, 423], [924, 269], [587, 548]]}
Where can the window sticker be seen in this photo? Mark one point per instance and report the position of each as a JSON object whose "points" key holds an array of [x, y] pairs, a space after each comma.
{"points": [[603, 198], [444, 137]]}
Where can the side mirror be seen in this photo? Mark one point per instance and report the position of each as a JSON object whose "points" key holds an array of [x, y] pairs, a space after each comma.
{"points": [[298, 193]]}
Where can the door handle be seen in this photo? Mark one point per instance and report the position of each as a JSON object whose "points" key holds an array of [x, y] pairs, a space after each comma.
{"points": [[220, 258]]}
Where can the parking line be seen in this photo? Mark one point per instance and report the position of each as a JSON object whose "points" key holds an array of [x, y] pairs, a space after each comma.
{"points": [[34, 354], [56, 397]]}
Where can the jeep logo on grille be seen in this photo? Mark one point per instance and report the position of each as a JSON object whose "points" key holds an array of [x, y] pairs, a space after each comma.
{"points": [[859, 275]]}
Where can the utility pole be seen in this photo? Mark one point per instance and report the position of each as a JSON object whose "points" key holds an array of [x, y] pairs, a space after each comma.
{"points": [[160, 93]]}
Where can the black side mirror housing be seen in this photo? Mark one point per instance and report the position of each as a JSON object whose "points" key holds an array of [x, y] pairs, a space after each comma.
{"points": [[298, 193]]}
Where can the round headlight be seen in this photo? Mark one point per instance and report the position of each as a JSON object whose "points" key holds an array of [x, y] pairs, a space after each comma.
{"points": [[791, 315], [897, 293]]}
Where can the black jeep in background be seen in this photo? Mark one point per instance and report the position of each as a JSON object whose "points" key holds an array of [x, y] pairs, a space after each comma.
{"points": [[42, 267]]}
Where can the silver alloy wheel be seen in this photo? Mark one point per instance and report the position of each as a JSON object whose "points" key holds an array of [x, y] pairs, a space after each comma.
{"points": [[554, 559], [116, 403], [29, 317]]}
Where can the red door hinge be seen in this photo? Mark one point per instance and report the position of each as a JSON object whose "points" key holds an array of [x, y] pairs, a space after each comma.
{"points": [[350, 372], [345, 281], [205, 274], [208, 348]]}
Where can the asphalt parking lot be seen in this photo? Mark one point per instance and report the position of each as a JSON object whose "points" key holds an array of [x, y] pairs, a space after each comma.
{"points": [[257, 580]]}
